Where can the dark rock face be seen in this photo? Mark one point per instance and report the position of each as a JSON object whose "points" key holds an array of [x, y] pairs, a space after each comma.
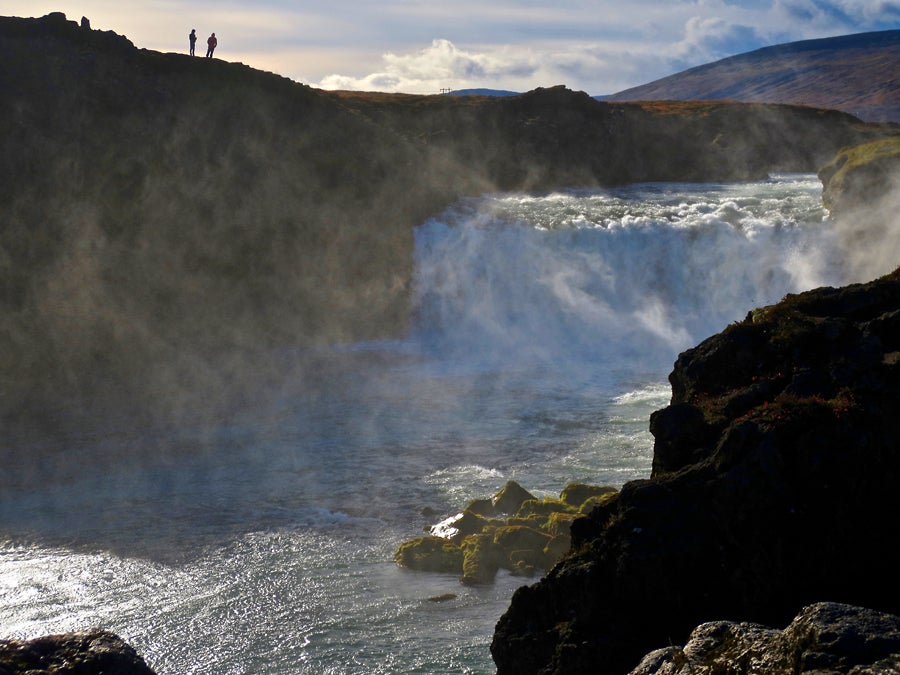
{"points": [[825, 637], [779, 493], [84, 653]]}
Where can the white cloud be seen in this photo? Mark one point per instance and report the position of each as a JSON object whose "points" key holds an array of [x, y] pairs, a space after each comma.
{"points": [[438, 66]]}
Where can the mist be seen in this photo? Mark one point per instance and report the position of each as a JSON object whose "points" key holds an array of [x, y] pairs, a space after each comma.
{"points": [[870, 233]]}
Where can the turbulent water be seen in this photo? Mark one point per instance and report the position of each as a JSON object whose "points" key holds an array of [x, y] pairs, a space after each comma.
{"points": [[545, 328]]}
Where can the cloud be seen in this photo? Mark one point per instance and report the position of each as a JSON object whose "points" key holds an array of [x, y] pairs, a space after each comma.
{"points": [[440, 65], [708, 39], [840, 15]]}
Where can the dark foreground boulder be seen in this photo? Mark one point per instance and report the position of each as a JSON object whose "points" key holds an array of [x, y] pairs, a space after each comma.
{"points": [[95, 652], [780, 493], [825, 637]]}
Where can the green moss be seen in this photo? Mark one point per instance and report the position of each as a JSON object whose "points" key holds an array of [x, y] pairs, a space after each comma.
{"points": [[430, 554], [575, 494], [481, 559], [516, 538], [559, 523], [850, 158], [600, 500], [543, 507]]}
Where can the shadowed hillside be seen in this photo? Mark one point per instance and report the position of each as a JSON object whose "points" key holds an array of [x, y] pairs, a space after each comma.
{"points": [[859, 74], [169, 223]]}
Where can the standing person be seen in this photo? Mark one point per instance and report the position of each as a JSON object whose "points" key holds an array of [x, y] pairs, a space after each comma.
{"points": [[211, 44], [193, 38]]}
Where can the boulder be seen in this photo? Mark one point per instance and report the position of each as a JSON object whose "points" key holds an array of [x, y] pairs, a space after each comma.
{"points": [[430, 554], [575, 494], [94, 652], [824, 637], [511, 497]]}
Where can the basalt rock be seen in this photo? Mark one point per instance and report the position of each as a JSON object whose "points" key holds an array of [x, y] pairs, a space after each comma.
{"points": [[825, 637], [780, 491], [81, 653]]}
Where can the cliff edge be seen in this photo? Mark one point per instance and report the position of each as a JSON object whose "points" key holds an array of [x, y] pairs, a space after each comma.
{"points": [[170, 223], [773, 487]]}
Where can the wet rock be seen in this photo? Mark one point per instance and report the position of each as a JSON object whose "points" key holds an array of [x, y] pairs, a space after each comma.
{"points": [[575, 494], [81, 653], [511, 497], [430, 554], [525, 544]]}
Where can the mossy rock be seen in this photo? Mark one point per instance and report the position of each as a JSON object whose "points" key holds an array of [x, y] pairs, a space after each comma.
{"points": [[535, 520], [518, 538], [527, 562], [482, 507], [430, 554], [481, 560], [556, 548], [560, 523], [543, 507], [575, 494], [511, 497], [600, 500]]}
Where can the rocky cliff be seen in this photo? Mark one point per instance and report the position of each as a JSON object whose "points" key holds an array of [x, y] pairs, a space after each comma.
{"points": [[773, 486], [862, 192], [168, 221]]}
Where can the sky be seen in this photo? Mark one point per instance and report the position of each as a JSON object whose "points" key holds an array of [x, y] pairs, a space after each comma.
{"points": [[427, 46]]}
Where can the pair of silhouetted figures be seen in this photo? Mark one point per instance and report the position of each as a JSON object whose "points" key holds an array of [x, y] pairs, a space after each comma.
{"points": [[211, 43]]}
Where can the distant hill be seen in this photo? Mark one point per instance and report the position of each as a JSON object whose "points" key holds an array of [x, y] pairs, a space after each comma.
{"points": [[859, 74]]}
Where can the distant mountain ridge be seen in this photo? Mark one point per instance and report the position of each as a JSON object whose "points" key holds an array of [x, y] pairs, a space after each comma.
{"points": [[858, 73]]}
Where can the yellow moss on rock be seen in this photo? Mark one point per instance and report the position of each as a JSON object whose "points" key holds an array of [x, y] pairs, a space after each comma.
{"points": [[476, 545], [430, 554]]}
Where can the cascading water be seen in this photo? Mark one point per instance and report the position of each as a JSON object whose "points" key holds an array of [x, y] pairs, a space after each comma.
{"points": [[545, 328]]}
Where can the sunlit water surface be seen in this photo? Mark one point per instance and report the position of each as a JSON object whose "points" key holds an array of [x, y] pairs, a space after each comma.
{"points": [[545, 328]]}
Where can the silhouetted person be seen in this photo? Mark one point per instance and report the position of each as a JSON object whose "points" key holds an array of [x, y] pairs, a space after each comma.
{"points": [[211, 45], [193, 38]]}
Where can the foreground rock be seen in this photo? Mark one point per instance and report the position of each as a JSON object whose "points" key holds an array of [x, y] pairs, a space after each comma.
{"points": [[514, 531], [83, 653], [774, 486], [825, 637]]}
